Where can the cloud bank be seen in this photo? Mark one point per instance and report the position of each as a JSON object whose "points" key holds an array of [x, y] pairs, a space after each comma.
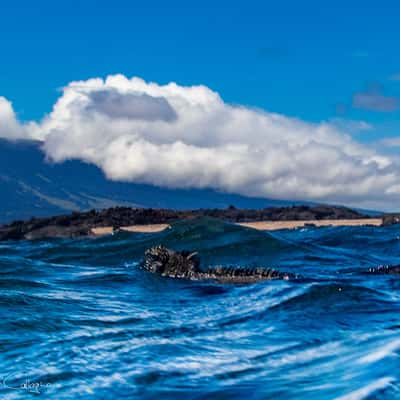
{"points": [[188, 137], [10, 128]]}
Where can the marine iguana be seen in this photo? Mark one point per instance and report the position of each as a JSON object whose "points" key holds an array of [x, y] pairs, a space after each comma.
{"points": [[186, 265]]}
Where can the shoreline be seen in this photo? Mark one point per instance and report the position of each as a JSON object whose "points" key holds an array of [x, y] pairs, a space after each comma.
{"points": [[258, 225], [152, 228], [275, 225], [95, 223]]}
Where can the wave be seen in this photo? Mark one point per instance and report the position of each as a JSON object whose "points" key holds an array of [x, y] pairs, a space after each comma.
{"points": [[82, 317]]}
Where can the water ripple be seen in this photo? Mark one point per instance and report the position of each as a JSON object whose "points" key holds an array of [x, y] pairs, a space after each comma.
{"points": [[80, 319]]}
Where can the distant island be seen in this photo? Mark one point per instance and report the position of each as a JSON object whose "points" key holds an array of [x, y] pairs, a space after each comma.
{"points": [[90, 223]]}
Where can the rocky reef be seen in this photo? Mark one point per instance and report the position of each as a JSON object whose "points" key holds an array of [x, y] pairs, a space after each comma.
{"points": [[80, 224], [390, 219]]}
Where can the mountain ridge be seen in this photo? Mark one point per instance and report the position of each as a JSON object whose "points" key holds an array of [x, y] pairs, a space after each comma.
{"points": [[32, 186], [68, 199]]}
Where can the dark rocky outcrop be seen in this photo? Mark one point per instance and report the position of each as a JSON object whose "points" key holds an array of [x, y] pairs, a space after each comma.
{"points": [[186, 265], [385, 270], [390, 219], [79, 224]]}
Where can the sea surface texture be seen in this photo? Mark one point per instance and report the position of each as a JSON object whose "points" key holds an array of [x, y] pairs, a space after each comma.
{"points": [[81, 320]]}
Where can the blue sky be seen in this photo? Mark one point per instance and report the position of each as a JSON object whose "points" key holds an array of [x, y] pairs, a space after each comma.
{"points": [[310, 93], [305, 59]]}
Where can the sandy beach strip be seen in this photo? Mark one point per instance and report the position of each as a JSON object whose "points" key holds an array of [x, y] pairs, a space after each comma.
{"points": [[275, 225], [107, 230], [259, 225], [146, 228]]}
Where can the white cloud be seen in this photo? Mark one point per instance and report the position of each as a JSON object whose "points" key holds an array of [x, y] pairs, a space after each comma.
{"points": [[375, 102], [373, 99], [390, 142], [189, 137], [133, 106], [10, 128]]}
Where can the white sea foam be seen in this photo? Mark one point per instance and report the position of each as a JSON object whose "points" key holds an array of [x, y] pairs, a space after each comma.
{"points": [[367, 390], [382, 352]]}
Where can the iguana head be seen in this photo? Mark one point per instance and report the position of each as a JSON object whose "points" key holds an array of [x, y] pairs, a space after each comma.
{"points": [[159, 259]]}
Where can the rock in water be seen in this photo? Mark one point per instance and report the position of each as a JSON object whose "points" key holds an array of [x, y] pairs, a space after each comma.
{"points": [[391, 219], [186, 265], [385, 270]]}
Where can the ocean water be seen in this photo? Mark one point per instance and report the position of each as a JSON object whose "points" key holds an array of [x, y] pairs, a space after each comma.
{"points": [[81, 320]]}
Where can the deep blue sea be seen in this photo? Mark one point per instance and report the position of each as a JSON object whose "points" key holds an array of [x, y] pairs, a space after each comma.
{"points": [[81, 320]]}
